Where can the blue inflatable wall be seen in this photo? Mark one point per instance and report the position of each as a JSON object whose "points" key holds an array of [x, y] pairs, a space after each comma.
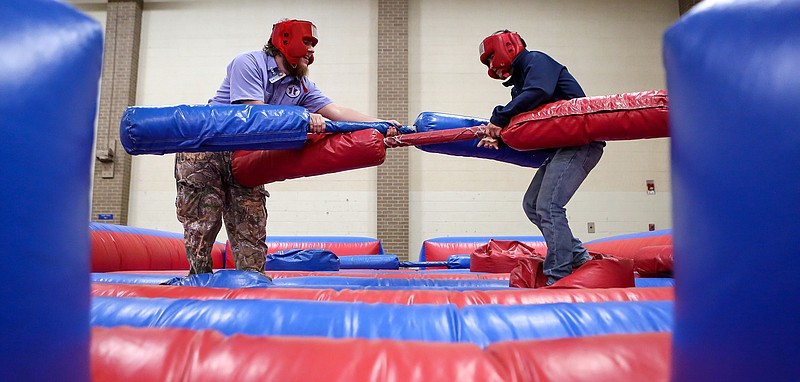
{"points": [[478, 324], [732, 74], [49, 76]]}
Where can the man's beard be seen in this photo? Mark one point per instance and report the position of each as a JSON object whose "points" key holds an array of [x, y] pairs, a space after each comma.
{"points": [[299, 71]]}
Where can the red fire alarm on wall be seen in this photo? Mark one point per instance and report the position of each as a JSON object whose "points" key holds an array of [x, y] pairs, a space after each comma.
{"points": [[651, 187]]}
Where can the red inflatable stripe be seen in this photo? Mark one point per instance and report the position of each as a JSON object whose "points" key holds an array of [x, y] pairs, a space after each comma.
{"points": [[404, 297], [579, 121], [120, 251], [339, 248], [626, 247], [168, 354], [619, 358], [322, 154], [440, 251], [395, 273]]}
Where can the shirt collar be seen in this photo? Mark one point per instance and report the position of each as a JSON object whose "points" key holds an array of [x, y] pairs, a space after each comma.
{"points": [[514, 68]]}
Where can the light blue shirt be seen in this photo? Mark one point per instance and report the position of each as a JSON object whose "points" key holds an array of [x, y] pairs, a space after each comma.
{"points": [[255, 76]]}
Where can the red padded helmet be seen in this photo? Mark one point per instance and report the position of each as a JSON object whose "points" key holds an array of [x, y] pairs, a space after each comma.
{"points": [[505, 46], [287, 37]]}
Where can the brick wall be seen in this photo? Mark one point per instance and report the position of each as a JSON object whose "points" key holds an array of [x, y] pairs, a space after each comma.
{"points": [[392, 187], [686, 5], [118, 90]]}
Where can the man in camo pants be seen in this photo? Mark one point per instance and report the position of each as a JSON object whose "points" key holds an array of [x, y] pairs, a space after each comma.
{"points": [[207, 191]]}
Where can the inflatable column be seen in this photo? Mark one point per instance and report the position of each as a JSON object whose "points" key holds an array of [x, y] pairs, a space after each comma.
{"points": [[50, 60], [732, 77]]}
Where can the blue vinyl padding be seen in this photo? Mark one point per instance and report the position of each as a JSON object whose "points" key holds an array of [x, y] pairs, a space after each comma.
{"points": [[430, 121], [232, 279], [196, 128], [51, 61], [479, 324], [240, 279], [302, 260], [279, 317], [637, 235], [485, 324], [369, 262], [345, 127], [646, 282], [735, 240], [193, 128], [458, 261]]}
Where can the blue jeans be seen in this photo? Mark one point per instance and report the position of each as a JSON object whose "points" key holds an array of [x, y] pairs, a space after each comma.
{"points": [[550, 190]]}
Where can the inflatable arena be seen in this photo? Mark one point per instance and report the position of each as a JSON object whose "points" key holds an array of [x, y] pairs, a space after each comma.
{"points": [[714, 298]]}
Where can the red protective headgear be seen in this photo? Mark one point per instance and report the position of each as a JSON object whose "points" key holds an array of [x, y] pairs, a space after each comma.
{"points": [[287, 37], [504, 46]]}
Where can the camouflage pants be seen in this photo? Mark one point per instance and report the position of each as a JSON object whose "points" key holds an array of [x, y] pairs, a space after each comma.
{"points": [[208, 195]]}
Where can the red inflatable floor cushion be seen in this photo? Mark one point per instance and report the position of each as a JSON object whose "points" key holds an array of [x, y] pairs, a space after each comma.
{"points": [[654, 261], [169, 354], [618, 357], [500, 256], [403, 297]]}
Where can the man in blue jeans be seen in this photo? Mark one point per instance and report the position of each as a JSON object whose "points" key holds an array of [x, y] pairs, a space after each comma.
{"points": [[537, 79]]}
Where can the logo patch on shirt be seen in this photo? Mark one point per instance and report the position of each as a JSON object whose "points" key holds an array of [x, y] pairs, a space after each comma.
{"points": [[293, 91]]}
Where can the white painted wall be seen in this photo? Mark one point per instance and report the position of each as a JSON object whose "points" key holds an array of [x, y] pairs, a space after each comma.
{"points": [[611, 46]]}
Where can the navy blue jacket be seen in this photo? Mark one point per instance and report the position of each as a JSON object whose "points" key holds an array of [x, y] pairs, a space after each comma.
{"points": [[537, 79]]}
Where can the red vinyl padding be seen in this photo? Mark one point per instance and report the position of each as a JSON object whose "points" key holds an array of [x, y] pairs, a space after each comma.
{"points": [[169, 354], [340, 248], [440, 251], [399, 273], [626, 247], [618, 358], [322, 154], [654, 261], [500, 256], [600, 272], [579, 121], [121, 251], [405, 297], [435, 136], [528, 273]]}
